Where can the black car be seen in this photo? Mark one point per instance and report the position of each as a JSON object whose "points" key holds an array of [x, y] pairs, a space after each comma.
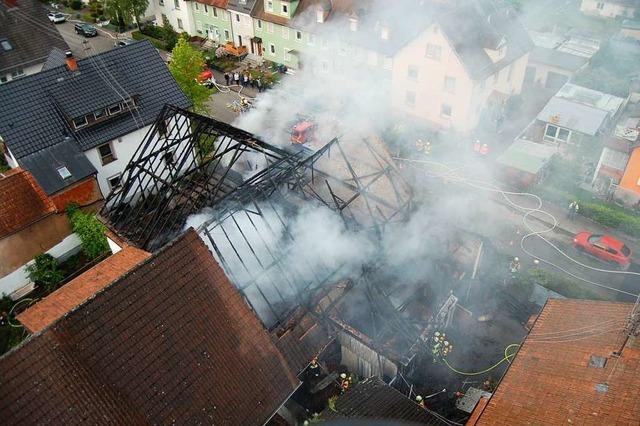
{"points": [[85, 29]]}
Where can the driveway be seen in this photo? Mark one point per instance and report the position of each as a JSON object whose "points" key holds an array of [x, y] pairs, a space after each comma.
{"points": [[101, 43]]}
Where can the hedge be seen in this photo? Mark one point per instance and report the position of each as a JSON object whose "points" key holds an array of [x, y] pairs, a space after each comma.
{"points": [[159, 44], [612, 217], [561, 284]]}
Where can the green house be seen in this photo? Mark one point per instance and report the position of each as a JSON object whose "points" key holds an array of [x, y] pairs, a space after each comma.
{"points": [[211, 22]]}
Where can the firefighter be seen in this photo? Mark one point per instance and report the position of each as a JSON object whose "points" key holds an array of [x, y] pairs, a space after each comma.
{"points": [[477, 146], [427, 148], [514, 266], [420, 401], [484, 149], [314, 367], [344, 382]]}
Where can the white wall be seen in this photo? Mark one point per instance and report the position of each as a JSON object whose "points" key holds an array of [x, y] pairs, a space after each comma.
{"points": [[123, 148], [173, 14], [27, 71], [244, 28]]}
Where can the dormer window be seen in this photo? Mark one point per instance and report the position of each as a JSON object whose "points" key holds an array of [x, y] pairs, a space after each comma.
{"points": [[99, 113], [115, 109], [80, 122]]}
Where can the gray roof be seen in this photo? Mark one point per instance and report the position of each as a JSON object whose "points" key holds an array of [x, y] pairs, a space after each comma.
{"points": [[37, 107], [574, 116], [44, 166], [527, 156], [23, 26], [55, 59], [557, 59], [474, 25], [240, 6]]}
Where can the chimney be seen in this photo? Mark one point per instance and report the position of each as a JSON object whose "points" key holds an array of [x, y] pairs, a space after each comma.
{"points": [[72, 64]]}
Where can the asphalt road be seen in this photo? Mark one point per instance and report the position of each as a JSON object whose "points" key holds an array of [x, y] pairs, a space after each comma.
{"points": [[83, 47]]}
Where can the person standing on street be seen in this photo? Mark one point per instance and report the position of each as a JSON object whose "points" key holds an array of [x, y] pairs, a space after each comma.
{"points": [[236, 78], [570, 210], [227, 77]]}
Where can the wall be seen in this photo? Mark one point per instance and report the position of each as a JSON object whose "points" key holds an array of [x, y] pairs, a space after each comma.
{"points": [[27, 71], [363, 360], [211, 22], [631, 178], [123, 148], [284, 39], [610, 10], [541, 72], [428, 87], [242, 29], [82, 193], [172, 13], [20, 247]]}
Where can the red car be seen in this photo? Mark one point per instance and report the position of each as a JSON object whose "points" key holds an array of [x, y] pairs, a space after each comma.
{"points": [[603, 247]]}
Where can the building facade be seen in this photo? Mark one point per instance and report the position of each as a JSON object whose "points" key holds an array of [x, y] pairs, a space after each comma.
{"points": [[610, 8], [211, 21]]}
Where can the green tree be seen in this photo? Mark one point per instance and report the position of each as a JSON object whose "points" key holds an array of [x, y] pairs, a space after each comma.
{"points": [[186, 63], [90, 231], [45, 272], [124, 11]]}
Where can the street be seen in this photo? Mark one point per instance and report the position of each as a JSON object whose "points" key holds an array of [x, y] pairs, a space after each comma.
{"points": [[101, 43]]}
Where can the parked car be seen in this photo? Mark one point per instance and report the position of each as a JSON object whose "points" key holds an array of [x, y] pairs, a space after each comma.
{"points": [[123, 42], [57, 17], [604, 247], [85, 29]]}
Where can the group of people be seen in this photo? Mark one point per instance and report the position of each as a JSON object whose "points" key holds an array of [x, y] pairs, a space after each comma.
{"points": [[573, 210], [245, 80]]}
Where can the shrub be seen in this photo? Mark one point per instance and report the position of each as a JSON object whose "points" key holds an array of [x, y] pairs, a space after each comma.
{"points": [[560, 284], [159, 44], [45, 272], [153, 31], [90, 231], [612, 217], [88, 17], [76, 4]]}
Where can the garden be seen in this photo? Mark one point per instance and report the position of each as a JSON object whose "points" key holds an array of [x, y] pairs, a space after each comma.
{"points": [[48, 273]]}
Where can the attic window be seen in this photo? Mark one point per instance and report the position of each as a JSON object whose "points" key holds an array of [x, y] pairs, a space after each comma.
{"points": [[64, 172], [80, 122], [597, 361], [114, 109], [6, 45], [99, 113]]}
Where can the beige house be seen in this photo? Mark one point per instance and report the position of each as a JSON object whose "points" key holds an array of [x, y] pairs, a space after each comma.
{"points": [[466, 63], [610, 8]]}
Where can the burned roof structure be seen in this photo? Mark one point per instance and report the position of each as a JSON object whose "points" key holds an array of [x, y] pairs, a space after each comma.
{"points": [[170, 341]]}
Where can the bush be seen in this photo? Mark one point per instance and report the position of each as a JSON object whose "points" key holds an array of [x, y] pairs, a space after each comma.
{"points": [[159, 44], [88, 17], [612, 217], [90, 231], [153, 31], [45, 272], [560, 284], [76, 4]]}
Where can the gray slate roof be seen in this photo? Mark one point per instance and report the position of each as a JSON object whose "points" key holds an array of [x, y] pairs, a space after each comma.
{"points": [[38, 106], [557, 59], [23, 26], [55, 59], [243, 7], [44, 166]]}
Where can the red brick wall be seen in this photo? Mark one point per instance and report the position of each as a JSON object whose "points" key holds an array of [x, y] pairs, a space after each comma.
{"points": [[82, 193]]}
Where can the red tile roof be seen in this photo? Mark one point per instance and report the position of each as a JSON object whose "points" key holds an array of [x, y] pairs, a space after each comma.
{"points": [[550, 381], [23, 202], [78, 290], [170, 341]]}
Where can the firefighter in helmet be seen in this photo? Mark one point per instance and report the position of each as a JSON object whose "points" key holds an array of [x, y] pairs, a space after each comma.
{"points": [[344, 382], [420, 401], [514, 266]]}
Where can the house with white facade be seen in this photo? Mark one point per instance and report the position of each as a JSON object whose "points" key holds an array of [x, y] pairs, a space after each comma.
{"points": [[242, 23], [24, 42], [85, 116], [610, 8], [178, 12]]}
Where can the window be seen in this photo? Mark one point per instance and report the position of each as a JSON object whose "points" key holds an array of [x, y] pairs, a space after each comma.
{"points": [[114, 181], [99, 113], [64, 172], [449, 84], [299, 35], [17, 73], [180, 24], [115, 109], [270, 27], [433, 52], [177, 4], [285, 9], [129, 103], [600, 6], [285, 33], [556, 134], [3, 79], [412, 72], [445, 110], [237, 17], [106, 154], [195, 4], [259, 24], [410, 99], [226, 34], [199, 26], [270, 6], [80, 122], [161, 2], [5, 44], [272, 49]]}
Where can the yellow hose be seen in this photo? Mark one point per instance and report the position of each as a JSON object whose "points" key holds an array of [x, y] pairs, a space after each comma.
{"points": [[506, 358]]}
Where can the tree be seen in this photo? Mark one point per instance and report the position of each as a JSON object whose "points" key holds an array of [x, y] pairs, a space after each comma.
{"points": [[186, 63], [138, 8], [125, 10], [90, 231], [45, 272]]}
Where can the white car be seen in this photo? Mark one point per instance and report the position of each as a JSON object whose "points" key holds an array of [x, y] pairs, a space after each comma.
{"points": [[57, 17]]}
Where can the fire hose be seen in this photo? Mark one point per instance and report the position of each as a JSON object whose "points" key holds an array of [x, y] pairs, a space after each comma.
{"points": [[506, 358]]}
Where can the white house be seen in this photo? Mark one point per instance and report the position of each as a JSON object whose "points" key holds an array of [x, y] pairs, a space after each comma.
{"points": [[85, 115], [610, 8], [178, 12]]}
